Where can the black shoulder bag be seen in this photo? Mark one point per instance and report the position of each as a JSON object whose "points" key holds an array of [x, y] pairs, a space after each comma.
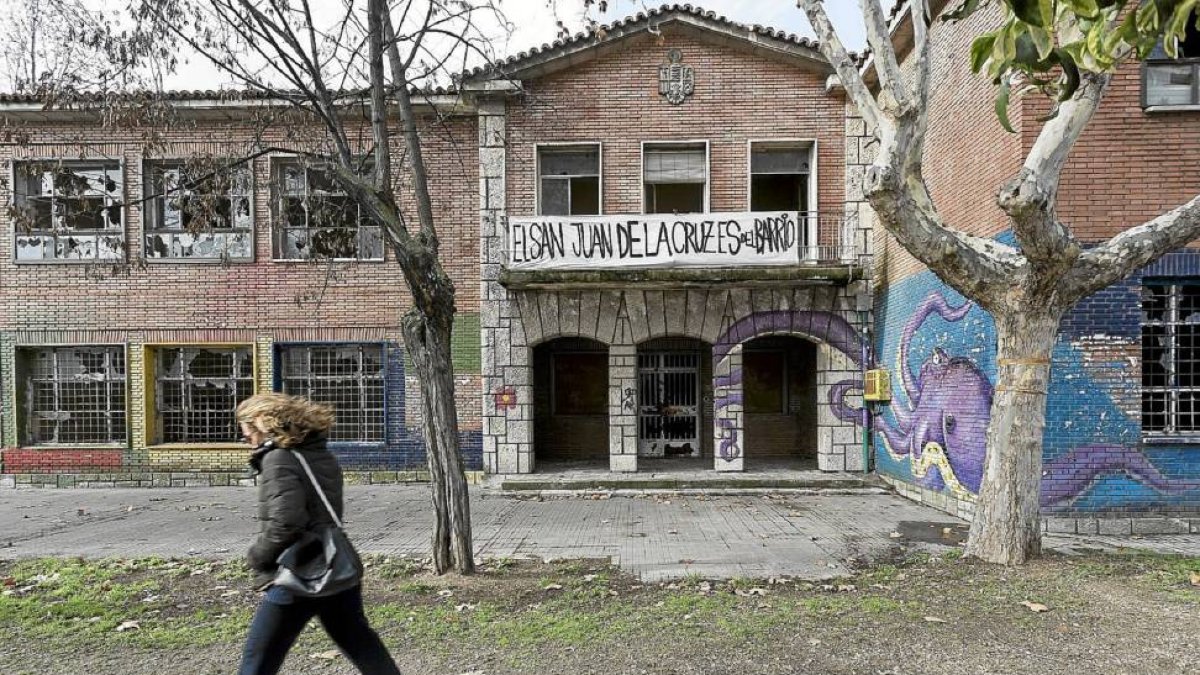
{"points": [[322, 562]]}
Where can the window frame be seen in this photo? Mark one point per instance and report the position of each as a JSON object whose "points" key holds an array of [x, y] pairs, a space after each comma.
{"points": [[150, 209], [25, 437], [275, 165], [281, 379], [1147, 64], [150, 365], [677, 142], [809, 246], [16, 197], [1169, 323], [561, 145]]}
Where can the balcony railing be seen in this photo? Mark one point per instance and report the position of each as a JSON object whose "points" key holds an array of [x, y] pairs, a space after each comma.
{"points": [[680, 241]]}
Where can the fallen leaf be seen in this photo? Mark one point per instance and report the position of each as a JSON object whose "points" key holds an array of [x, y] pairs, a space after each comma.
{"points": [[128, 625], [1036, 607], [752, 591], [846, 588], [446, 593], [552, 587], [466, 606], [1194, 577], [327, 656], [895, 535], [935, 619], [590, 577]]}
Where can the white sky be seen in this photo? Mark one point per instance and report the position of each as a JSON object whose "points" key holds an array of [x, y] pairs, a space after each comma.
{"points": [[534, 25]]}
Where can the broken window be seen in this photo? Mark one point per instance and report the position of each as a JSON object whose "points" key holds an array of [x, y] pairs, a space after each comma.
{"points": [[675, 177], [349, 378], [68, 211], [316, 219], [198, 213], [569, 180], [1175, 81], [779, 177], [73, 395], [197, 390], [1171, 358]]}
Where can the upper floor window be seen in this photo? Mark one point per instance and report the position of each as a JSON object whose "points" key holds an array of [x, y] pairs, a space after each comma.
{"points": [[1174, 81], [1171, 357], [569, 180], [675, 176], [198, 212], [72, 395], [316, 219], [68, 211], [779, 176]]}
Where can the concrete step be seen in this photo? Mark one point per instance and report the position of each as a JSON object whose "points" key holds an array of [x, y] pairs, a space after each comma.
{"points": [[634, 482]]}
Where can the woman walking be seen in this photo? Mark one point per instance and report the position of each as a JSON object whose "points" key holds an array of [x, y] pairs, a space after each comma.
{"points": [[278, 425]]}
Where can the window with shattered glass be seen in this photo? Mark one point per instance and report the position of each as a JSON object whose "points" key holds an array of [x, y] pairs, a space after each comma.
{"points": [[347, 377], [200, 213], [68, 211], [197, 390], [1173, 82], [316, 219], [73, 395], [1171, 358]]}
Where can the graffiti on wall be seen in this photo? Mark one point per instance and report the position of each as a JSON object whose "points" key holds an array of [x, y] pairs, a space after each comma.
{"points": [[728, 401], [934, 433]]}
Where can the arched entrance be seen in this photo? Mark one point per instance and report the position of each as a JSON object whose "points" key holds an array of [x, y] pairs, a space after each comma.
{"points": [[779, 379], [674, 412], [570, 402]]}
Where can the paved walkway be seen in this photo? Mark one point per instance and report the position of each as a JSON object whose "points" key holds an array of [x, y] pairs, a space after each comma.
{"points": [[654, 536]]}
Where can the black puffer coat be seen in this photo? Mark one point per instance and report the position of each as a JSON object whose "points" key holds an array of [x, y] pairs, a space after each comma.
{"points": [[287, 503]]}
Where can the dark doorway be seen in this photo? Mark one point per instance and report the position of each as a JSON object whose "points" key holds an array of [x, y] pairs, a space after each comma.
{"points": [[779, 380], [570, 401]]}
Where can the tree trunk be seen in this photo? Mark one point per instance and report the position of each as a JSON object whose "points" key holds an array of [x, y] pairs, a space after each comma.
{"points": [[427, 339], [1006, 526]]}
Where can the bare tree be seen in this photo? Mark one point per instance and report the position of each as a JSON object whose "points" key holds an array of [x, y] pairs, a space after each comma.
{"points": [[1065, 47], [353, 70]]}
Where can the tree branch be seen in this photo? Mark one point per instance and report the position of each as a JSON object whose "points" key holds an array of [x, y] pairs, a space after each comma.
{"points": [[839, 58], [1030, 199], [412, 139], [1133, 249], [893, 95]]}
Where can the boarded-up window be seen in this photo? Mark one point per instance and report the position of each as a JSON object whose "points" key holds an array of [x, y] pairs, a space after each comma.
{"points": [[73, 395], [68, 211], [197, 390], [348, 378], [580, 383]]}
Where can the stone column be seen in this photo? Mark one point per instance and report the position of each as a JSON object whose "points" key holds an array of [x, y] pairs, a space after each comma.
{"points": [[839, 443], [622, 408], [728, 422]]}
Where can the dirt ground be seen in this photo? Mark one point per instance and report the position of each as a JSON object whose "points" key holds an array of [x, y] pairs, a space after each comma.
{"points": [[919, 614]]}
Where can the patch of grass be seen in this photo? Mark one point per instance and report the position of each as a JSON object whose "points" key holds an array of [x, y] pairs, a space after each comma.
{"points": [[395, 568]]}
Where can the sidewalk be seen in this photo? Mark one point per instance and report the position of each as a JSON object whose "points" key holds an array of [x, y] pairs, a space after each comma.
{"points": [[653, 536]]}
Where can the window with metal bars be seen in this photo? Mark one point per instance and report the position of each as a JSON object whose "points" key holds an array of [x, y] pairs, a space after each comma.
{"points": [[316, 219], [1171, 357], [68, 211], [73, 395], [347, 377], [197, 390]]}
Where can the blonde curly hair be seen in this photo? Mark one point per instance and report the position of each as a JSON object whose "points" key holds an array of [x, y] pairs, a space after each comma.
{"points": [[287, 419]]}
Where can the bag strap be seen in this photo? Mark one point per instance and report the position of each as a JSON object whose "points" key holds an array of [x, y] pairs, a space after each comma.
{"points": [[320, 493]]}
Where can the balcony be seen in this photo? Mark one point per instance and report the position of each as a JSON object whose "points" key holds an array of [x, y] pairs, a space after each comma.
{"points": [[624, 251]]}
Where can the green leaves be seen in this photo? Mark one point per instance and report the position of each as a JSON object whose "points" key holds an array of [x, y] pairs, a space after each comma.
{"points": [[1046, 45]]}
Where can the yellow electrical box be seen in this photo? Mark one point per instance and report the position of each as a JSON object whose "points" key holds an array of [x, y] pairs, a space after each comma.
{"points": [[878, 386]]}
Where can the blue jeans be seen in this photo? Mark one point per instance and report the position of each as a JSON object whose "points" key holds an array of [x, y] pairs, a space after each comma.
{"points": [[281, 617]]}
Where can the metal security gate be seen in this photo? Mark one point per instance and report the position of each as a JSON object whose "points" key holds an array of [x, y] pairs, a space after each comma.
{"points": [[669, 404]]}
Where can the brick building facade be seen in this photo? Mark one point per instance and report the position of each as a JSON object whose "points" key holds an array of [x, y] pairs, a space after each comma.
{"points": [[1121, 439]]}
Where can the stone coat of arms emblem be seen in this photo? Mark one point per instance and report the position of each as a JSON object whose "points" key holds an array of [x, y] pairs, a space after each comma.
{"points": [[675, 80]]}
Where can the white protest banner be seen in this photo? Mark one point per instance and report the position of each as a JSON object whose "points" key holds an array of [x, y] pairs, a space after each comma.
{"points": [[654, 241]]}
